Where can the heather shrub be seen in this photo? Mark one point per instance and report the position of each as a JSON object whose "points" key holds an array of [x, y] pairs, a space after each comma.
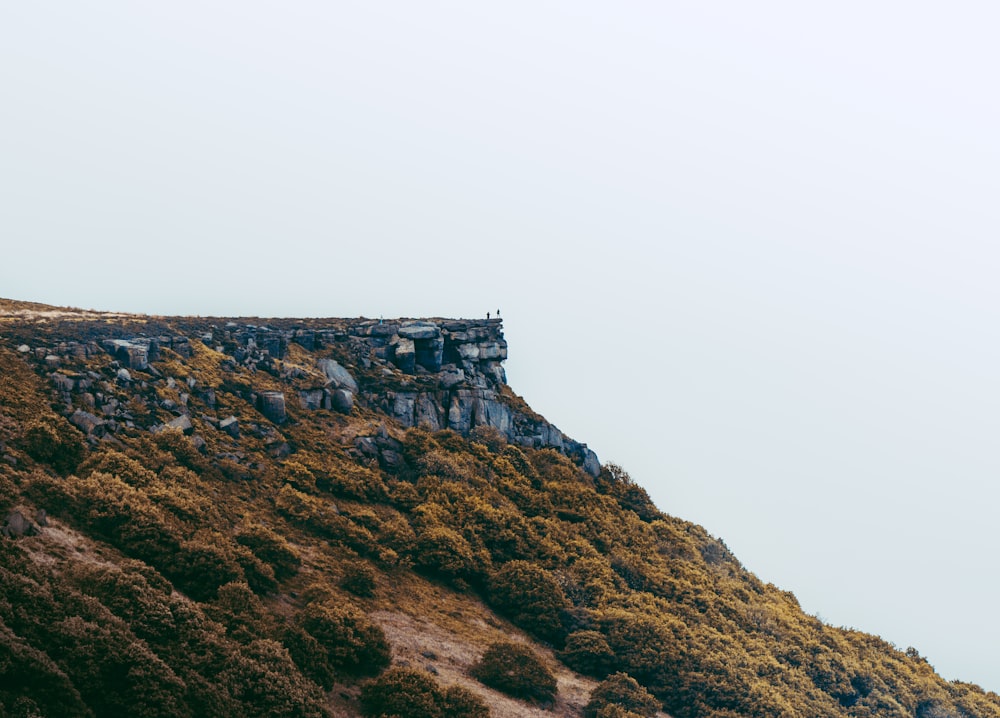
{"points": [[623, 691], [588, 652], [272, 549], [530, 597], [349, 642], [401, 692], [54, 441], [516, 670], [358, 578]]}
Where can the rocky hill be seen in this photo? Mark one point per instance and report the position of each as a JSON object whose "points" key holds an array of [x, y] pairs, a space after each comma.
{"points": [[244, 516]]}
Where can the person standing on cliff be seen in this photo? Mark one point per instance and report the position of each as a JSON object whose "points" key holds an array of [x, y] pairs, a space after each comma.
{"points": [[498, 313], [487, 316]]}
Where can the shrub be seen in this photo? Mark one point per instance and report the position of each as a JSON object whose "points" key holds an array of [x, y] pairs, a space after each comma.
{"points": [[402, 692], [445, 553], [112, 462], [588, 652], [272, 549], [350, 642], [530, 597], [516, 670], [414, 694], [491, 437], [54, 441], [623, 691], [359, 579], [462, 703]]}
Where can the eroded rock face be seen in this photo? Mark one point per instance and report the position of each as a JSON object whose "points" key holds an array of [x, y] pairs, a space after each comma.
{"points": [[435, 374]]}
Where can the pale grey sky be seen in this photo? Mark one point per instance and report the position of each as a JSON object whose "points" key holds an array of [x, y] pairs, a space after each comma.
{"points": [[746, 250]]}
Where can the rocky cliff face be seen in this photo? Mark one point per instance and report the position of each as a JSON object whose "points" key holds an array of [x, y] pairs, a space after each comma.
{"points": [[435, 374]]}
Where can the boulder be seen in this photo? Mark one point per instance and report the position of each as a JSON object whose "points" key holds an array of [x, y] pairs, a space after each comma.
{"points": [[231, 426], [87, 423], [63, 382], [272, 405], [337, 375], [405, 356], [123, 376], [23, 348], [52, 361], [311, 398], [343, 401], [182, 423], [419, 330], [17, 525]]}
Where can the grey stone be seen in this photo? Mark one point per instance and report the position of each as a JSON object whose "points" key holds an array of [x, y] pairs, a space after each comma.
{"points": [[389, 459], [123, 375], [405, 356], [62, 382], [41, 517], [468, 352], [231, 426], [311, 398], [338, 376], [451, 377], [419, 330], [199, 444], [343, 401], [87, 423], [52, 361], [183, 423], [23, 348], [272, 405], [366, 445], [17, 525], [426, 413]]}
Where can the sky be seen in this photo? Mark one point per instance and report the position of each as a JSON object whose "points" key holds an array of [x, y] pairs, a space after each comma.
{"points": [[748, 251]]}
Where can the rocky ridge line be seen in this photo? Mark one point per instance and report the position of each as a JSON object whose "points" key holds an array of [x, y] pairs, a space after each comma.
{"points": [[435, 374]]}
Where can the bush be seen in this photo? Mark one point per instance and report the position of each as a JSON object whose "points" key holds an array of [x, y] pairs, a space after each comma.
{"points": [[272, 549], [516, 670], [359, 579], [55, 442], [445, 553], [350, 642], [588, 652], [414, 694], [462, 703], [530, 597], [623, 691], [489, 436], [402, 692]]}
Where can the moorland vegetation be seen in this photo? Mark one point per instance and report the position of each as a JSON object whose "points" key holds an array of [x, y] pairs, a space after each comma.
{"points": [[169, 578]]}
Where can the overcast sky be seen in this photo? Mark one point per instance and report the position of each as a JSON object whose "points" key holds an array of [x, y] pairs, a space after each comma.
{"points": [[746, 250]]}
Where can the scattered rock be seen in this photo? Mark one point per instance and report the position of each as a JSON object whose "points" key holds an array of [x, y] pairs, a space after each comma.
{"points": [[272, 405], [343, 401], [87, 423], [183, 423], [231, 426], [338, 376], [17, 525]]}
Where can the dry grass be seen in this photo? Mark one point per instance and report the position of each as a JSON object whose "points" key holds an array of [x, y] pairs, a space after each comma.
{"points": [[445, 633]]}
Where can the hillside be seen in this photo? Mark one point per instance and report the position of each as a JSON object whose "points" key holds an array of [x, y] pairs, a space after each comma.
{"points": [[347, 517]]}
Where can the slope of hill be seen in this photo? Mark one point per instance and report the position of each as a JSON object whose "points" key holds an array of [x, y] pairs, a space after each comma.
{"points": [[355, 517]]}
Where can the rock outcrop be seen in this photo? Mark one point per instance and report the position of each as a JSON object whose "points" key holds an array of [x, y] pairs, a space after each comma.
{"points": [[435, 374]]}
